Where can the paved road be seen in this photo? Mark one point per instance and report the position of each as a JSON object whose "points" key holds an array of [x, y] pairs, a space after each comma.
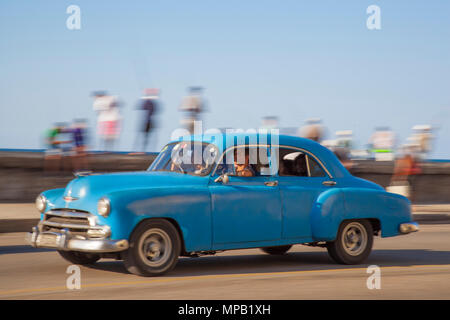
{"points": [[412, 266]]}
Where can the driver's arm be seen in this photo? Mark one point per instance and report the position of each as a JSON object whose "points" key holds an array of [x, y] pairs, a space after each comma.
{"points": [[245, 172]]}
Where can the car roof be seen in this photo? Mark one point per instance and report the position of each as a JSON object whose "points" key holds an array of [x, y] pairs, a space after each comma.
{"points": [[226, 140]]}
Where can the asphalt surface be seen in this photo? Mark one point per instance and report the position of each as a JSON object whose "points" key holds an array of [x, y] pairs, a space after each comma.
{"points": [[415, 266]]}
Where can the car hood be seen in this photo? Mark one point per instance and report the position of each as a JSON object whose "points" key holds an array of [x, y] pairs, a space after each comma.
{"points": [[97, 185]]}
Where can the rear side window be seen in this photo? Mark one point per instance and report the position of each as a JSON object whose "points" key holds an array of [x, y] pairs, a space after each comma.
{"points": [[292, 163], [315, 170], [296, 163]]}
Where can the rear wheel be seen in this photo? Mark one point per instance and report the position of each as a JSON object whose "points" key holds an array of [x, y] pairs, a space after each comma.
{"points": [[154, 248], [353, 243], [77, 257], [279, 250]]}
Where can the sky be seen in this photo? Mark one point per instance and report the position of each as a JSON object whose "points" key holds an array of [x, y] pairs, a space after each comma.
{"points": [[255, 58]]}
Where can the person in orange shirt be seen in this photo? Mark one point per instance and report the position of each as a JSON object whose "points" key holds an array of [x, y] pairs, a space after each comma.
{"points": [[405, 169]]}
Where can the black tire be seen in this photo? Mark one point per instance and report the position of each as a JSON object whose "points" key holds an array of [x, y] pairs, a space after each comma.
{"points": [[279, 250], [144, 257], [353, 242], [82, 258]]}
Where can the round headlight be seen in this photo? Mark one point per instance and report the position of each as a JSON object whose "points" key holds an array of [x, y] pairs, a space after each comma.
{"points": [[103, 207], [41, 203]]}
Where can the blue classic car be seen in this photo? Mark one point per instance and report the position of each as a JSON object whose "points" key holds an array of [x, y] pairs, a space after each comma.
{"points": [[209, 193]]}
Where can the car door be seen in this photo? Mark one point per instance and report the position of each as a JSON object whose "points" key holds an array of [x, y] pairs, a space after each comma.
{"points": [[245, 209], [301, 180]]}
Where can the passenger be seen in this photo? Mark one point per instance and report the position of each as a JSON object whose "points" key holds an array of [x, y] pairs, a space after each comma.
{"points": [[300, 167], [243, 169], [283, 169]]}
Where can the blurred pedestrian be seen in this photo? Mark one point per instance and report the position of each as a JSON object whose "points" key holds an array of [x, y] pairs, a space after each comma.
{"points": [[79, 133], [343, 147], [55, 142], [406, 168], [270, 123], [313, 130], [150, 105], [192, 105], [108, 119], [421, 139], [381, 143], [343, 154]]}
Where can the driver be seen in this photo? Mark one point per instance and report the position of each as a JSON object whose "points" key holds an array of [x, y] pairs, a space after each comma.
{"points": [[243, 169], [200, 169]]}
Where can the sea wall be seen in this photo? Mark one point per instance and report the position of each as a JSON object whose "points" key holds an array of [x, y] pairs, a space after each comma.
{"points": [[22, 174]]}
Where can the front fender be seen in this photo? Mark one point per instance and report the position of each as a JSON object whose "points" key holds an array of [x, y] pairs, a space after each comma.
{"points": [[54, 197], [189, 207]]}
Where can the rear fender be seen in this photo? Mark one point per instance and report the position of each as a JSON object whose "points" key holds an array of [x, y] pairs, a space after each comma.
{"points": [[337, 205], [389, 208], [327, 214]]}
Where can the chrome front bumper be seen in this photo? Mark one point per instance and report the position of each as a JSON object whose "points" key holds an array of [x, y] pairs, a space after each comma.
{"points": [[408, 227], [65, 241]]}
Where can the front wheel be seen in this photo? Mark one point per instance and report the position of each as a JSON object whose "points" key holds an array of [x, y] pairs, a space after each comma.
{"points": [[154, 248], [81, 258], [353, 243]]}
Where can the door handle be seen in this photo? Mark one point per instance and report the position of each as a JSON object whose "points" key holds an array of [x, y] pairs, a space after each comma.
{"points": [[329, 183], [271, 183]]}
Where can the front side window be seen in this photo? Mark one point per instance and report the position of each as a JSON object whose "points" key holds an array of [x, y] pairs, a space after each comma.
{"points": [[187, 157], [298, 164], [245, 161]]}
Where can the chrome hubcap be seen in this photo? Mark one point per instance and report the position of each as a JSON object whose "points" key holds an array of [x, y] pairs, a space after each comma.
{"points": [[354, 239], [155, 247]]}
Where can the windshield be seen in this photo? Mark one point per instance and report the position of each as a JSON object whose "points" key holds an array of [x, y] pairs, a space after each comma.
{"points": [[195, 158]]}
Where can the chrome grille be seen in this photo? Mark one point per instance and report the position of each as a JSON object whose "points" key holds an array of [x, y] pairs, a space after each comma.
{"points": [[76, 222]]}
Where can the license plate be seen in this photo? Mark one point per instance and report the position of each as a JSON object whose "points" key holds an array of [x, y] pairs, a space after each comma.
{"points": [[47, 240]]}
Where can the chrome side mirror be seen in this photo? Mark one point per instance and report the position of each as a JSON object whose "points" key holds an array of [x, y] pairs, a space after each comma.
{"points": [[223, 178]]}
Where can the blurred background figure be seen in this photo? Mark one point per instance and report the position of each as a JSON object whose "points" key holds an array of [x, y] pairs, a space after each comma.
{"points": [[150, 105], [344, 139], [342, 147], [421, 140], [79, 138], [66, 146], [270, 122], [54, 152], [192, 105], [381, 143], [406, 168], [108, 119], [313, 130]]}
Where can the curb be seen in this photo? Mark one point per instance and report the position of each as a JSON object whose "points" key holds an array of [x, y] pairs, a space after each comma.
{"points": [[432, 218]]}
